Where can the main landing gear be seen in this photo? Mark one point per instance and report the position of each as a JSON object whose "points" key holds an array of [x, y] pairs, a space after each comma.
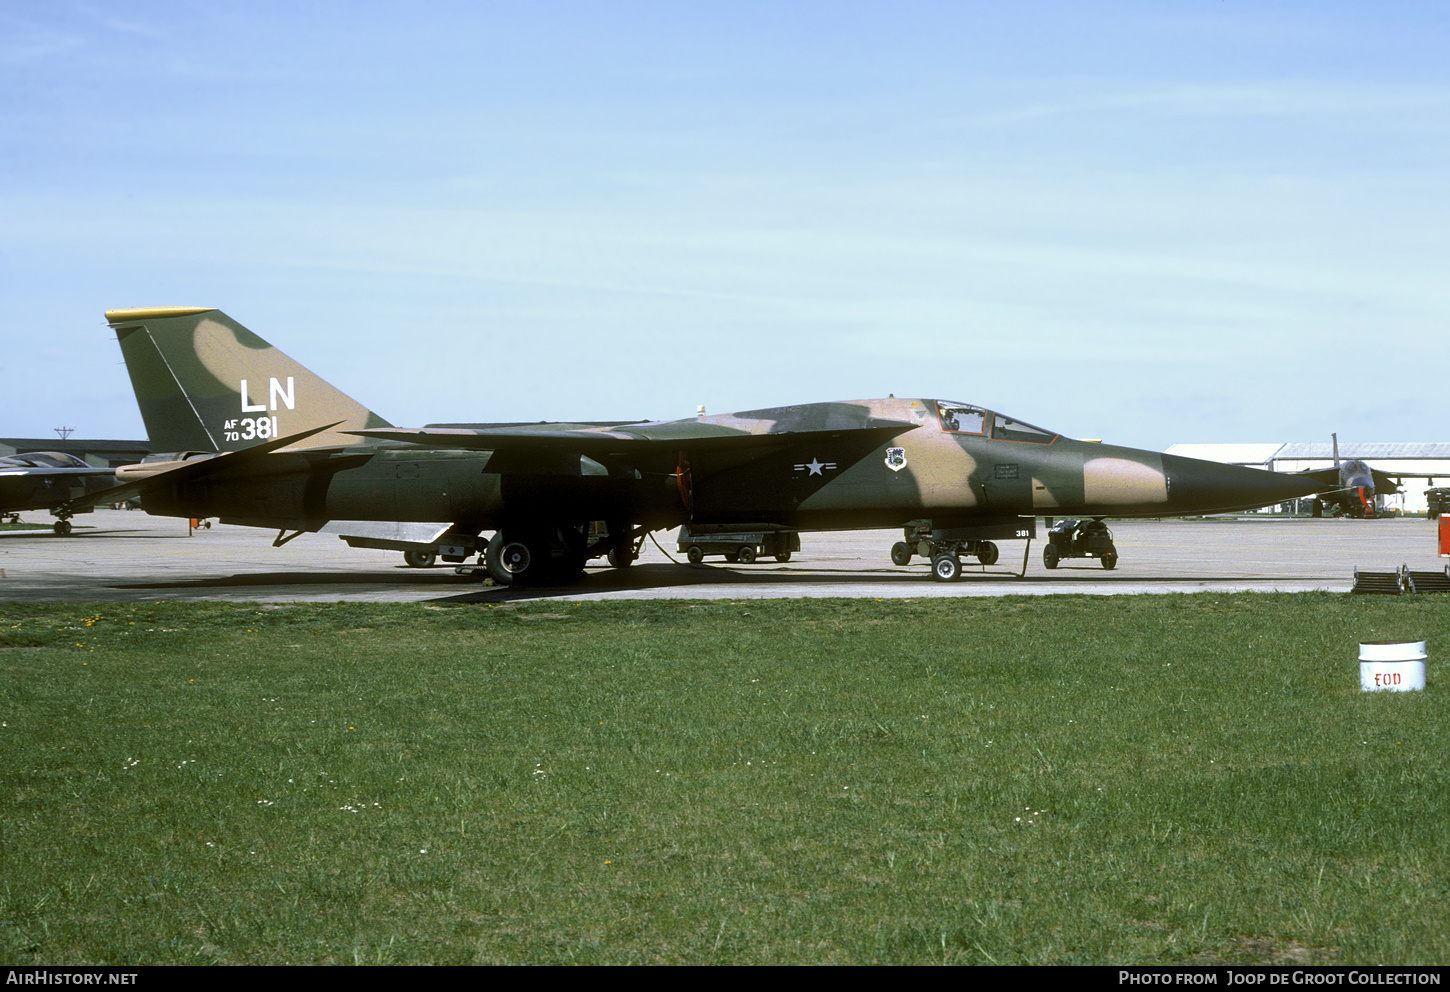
{"points": [[536, 555], [545, 554], [946, 560]]}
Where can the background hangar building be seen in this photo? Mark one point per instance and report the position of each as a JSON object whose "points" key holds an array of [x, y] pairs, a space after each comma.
{"points": [[1417, 465]]}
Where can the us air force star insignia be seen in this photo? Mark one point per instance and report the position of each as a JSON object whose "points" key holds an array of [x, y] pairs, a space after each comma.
{"points": [[815, 465], [896, 459]]}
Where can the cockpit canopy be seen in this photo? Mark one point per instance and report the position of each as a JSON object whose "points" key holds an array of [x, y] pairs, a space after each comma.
{"points": [[42, 459], [963, 418]]}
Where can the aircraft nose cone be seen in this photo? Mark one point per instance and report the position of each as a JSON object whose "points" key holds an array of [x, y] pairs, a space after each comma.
{"points": [[1196, 486]]}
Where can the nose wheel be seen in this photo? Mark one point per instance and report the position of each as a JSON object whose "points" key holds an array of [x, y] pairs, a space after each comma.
{"points": [[946, 568], [945, 555]]}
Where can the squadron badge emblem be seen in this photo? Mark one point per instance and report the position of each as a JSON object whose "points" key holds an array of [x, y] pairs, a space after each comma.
{"points": [[896, 459]]}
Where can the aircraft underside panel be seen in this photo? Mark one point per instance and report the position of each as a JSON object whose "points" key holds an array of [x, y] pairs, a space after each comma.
{"points": [[410, 491]]}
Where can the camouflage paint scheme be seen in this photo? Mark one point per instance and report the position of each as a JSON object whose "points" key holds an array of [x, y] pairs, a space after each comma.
{"points": [[48, 480], [205, 383]]}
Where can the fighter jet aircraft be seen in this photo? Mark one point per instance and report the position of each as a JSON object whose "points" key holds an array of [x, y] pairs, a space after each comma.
{"points": [[48, 480], [1351, 486], [294, 454]]}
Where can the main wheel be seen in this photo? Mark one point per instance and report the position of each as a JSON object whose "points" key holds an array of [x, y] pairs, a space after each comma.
{"points": [[987, 553], [62, 527], [517, 558], [696, 554], [901, 553], [567, 554], [1110, 560], [1049, 555], [946, 568], [622, 546], [746, 555], [783, 557], [419, 557]]}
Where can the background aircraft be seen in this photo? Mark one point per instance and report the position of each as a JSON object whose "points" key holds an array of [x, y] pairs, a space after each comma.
{"points": [[1353, 486], [48, 480], [297, 454]]}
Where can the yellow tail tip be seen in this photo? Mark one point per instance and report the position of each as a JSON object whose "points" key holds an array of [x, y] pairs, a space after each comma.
{"points": [[148, 313]]}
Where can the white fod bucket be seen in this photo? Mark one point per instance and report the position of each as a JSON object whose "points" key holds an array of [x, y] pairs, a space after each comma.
{"points": [[1391, 666]]}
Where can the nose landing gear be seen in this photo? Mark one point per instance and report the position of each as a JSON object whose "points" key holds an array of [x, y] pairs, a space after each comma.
{"points": [[945, 547], [946, 568]]}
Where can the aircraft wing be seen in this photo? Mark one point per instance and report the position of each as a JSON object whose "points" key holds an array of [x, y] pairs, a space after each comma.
{"points": [[190, 470], [641, 441], [1326, 477], [42, 487], [1384, 485]]}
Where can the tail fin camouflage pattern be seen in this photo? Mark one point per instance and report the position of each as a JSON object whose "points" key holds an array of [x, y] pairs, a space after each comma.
{"points": [[206, 383]]}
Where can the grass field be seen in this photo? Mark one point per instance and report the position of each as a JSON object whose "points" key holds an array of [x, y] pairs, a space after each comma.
{"points": [[1130, 779]]}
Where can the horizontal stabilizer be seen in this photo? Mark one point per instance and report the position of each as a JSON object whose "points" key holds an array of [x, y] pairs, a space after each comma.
{"points": [[189, 471]]}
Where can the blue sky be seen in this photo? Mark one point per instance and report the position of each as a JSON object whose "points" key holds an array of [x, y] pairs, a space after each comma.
{"points": [[1157, 222]]}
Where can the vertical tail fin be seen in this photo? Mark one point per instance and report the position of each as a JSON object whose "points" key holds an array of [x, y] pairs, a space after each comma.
{"points": [[206, 383]]}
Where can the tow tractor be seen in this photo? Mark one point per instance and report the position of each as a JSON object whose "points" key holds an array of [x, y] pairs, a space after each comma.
{"points": [[945, 546], [1080, 539]]}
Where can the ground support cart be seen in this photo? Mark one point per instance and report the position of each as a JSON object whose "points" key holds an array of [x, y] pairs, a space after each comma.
{"points": [[452, 547], [743, 544], [1437, 501], [1080, 539]]}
